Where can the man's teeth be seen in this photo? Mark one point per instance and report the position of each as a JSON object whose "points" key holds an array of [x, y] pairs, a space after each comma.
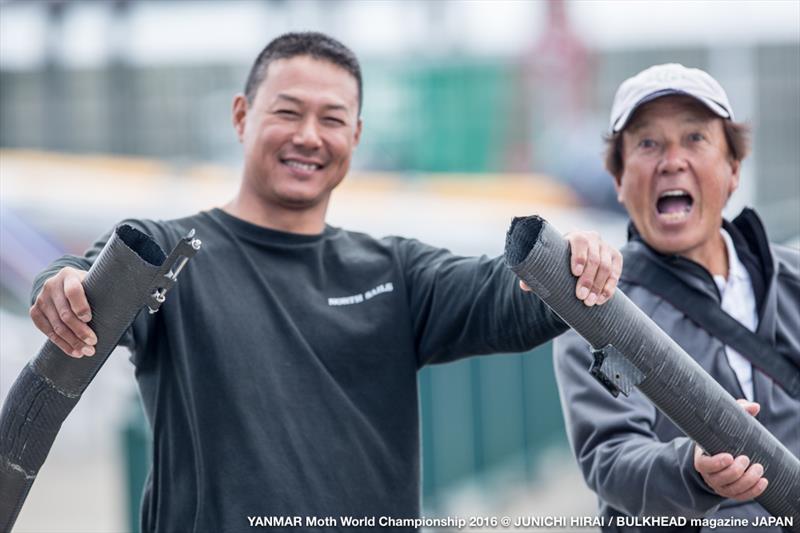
{"points": [[302, 166], [674, 192], [675, 215]]}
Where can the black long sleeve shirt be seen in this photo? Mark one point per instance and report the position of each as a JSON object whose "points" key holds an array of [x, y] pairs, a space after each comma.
{"points": [[279, 377]]}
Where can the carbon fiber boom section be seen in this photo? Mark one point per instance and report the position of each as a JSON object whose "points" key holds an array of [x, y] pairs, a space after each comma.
{"points": [[130, 272], [672, 380]]}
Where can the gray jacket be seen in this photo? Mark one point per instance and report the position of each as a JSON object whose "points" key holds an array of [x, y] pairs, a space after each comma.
{"points": [[636, 460]]}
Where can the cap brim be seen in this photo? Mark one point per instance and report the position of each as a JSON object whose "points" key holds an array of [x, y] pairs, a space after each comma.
{"points": [[622, 121]]}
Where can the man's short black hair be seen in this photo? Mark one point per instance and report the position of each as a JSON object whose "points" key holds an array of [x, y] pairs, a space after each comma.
{"points": [[313, 44]]}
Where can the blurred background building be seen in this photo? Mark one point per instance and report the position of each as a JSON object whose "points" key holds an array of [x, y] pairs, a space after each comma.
{"points": [[474, 111]]}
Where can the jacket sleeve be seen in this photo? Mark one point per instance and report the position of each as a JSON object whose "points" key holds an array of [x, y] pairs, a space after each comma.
{"points": [[617, 449], [84, 262], [464, 306]]}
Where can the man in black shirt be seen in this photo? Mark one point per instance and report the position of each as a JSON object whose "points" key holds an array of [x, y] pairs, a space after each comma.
{"points": [[280, 379]]}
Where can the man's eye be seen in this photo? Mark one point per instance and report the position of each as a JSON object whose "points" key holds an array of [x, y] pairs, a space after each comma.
{"points": [[334, 120], [647, 143], [287, 112], [696, 137]]}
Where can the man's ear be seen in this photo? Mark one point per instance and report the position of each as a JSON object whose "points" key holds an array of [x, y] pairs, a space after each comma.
{"points": [[736, 167], [240, 107], [359, 125], [618, 187]]}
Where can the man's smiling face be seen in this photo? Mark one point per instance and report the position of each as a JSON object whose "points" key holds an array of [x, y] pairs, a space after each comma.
{"points": [[299, 132], [677, 175]]}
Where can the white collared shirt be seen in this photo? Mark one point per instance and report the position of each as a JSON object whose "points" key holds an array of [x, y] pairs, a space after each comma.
{"points": [[739, 301]]}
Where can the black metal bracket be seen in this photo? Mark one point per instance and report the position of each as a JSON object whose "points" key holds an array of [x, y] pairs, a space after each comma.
{"points": [[614, 371], [167, 275]]}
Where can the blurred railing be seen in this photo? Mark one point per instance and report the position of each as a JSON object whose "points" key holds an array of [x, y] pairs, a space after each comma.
{"points": [[461, 114]]}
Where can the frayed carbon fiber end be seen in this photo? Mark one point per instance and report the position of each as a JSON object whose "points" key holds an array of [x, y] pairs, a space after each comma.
{"points": [[520, 238], [29, 422]]}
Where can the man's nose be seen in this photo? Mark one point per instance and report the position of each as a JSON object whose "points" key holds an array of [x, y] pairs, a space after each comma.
{"points": [[307, 134], [673, 159]]}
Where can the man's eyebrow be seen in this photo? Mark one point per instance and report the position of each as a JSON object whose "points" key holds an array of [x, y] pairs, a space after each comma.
{"points": [[298, 101], [336, 107], [293, 99], [700, 119], [637, 125]]}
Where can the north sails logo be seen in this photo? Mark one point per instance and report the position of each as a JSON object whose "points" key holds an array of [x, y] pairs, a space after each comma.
{"points": [[361, 297]]}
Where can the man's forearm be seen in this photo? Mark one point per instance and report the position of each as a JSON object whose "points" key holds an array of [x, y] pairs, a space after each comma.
{"points": [[643, 477]]}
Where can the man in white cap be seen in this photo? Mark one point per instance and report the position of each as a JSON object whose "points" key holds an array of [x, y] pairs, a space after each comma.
{"points": [[718, 288]]}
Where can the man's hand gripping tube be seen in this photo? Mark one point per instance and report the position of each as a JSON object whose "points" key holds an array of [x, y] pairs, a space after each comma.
{"points": [[631, 350], [131, 272]]}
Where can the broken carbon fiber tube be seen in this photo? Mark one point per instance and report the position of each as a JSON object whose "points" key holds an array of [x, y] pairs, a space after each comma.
{"points": [[131, 271], [631, 350]]}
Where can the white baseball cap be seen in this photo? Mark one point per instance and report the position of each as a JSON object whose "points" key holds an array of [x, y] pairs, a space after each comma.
{"points": [[664, 80]]}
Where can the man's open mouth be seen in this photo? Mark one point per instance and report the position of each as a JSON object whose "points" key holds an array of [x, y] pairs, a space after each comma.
{"points": [[674, 204], [300, 165]]}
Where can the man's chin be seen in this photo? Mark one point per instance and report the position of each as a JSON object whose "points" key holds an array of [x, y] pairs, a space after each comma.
{"points": [[671, 245], [299, 202]]}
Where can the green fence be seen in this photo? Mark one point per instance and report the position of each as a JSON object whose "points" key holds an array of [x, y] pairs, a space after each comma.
{"points": [[481, 413]]}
